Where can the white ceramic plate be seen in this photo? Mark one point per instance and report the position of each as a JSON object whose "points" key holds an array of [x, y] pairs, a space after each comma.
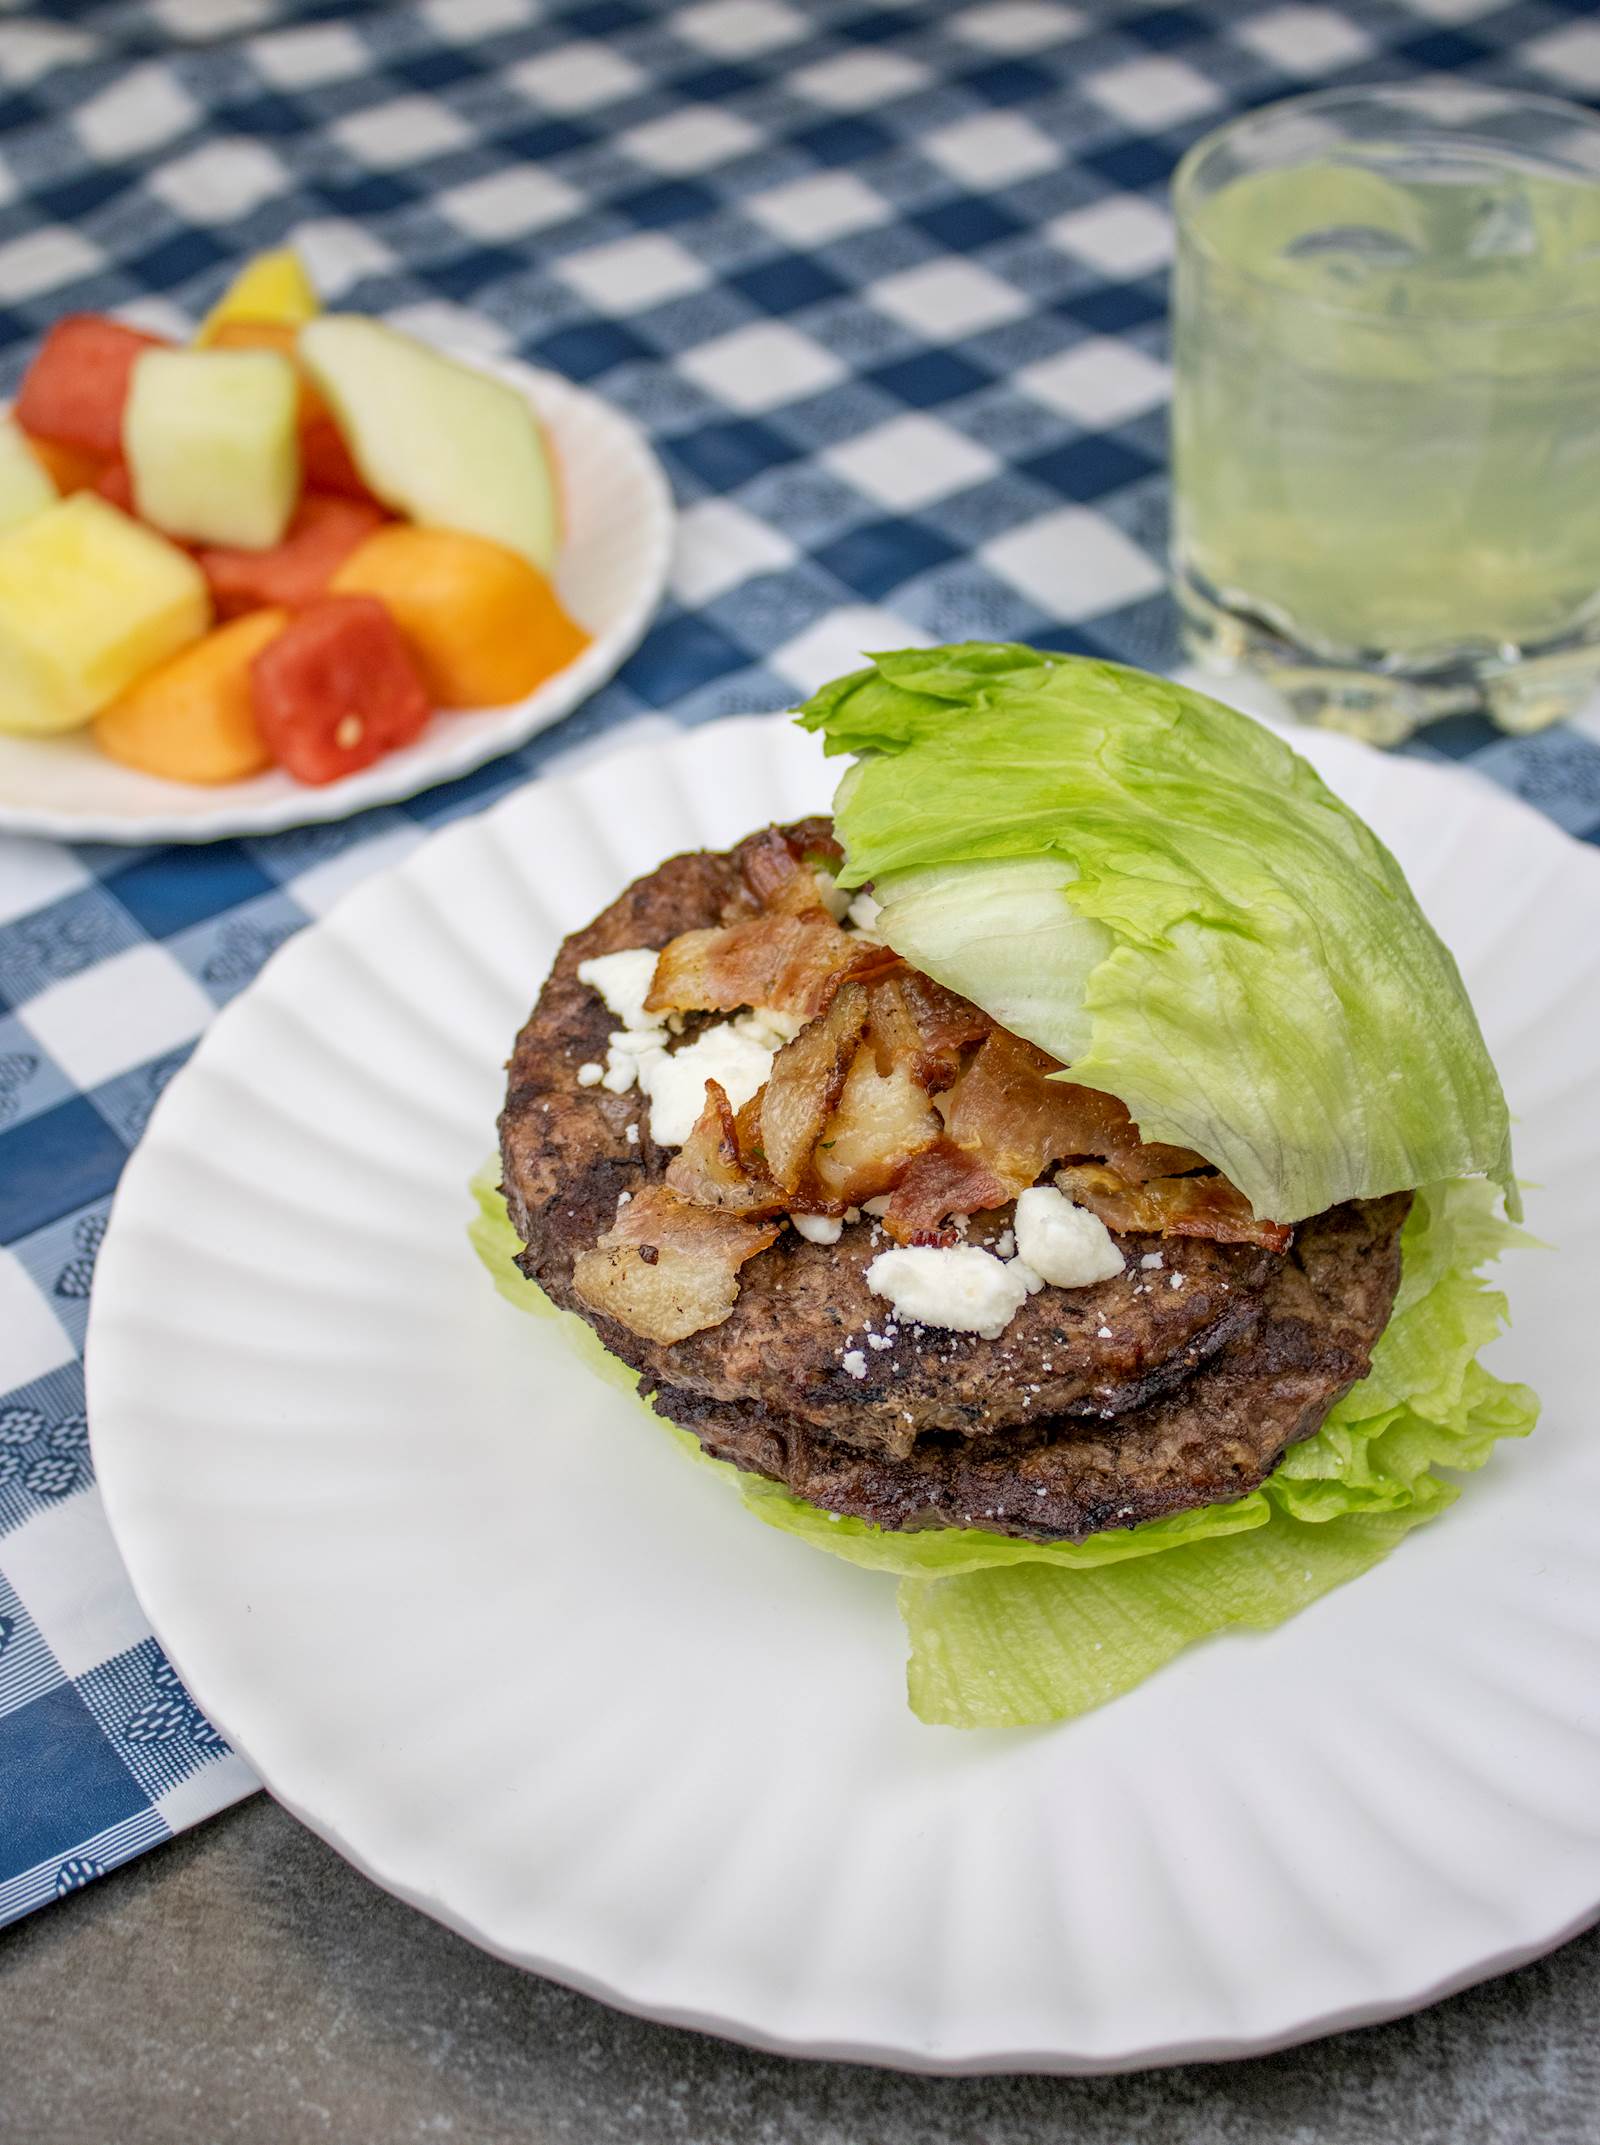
{"points": [[610, 574], [477, 1622]]}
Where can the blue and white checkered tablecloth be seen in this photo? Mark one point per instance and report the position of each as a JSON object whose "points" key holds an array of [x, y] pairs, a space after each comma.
{"points": [[885, 283]]}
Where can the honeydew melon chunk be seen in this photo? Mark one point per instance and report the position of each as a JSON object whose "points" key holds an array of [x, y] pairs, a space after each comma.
{"points": [[441, 443], [212, 442], [273, 286], [25, 486], [89, 601]]}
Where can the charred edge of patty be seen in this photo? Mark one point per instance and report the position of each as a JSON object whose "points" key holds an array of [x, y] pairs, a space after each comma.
{"points": [[1216, 1439]]}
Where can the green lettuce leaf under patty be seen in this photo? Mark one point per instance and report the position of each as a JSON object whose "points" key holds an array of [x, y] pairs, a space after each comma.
{"points": [[1007, 1634], [1162, 894]]}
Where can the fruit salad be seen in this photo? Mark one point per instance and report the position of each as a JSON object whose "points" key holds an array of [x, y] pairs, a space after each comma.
{"points": [[290, 542]]}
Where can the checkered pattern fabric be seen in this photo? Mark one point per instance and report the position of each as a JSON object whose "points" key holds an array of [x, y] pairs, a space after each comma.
{"points": [[885, 284]]}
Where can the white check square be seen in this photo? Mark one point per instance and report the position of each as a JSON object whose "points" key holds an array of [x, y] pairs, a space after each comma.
{"points": [[851, 81], [43, 260], [1100, 382], [140, 110], [299, 59], [458, 327], [945, 300], [1156, 92], [577, 78], [508, 203], [29, 50], [995, 149], [1305, 40], [32, 1338], [390, 136], [695, 138], [735, 28], [911, 461], [1017, 25], [124, 1011], [1073, 564], [72, 1583], [839, 642], [34, 873], [1571, 55], [461, 22], [760, 366], [220, 181], [1125, 236], [203, 21], [338, 253], [632, 273], [810, 212], [719, 545]]}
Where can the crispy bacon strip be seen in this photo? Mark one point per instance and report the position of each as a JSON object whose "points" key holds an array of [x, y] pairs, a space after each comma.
{"points": [[1206, 1206], [883, 1122], [666, 1269], [1006, 1121], [919, 1024], [718, 1164], [775, 869], [792, 963], [804, 1086]]}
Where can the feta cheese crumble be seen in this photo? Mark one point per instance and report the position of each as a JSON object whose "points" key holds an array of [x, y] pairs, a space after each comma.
{"points": [[855, 1363], [738, 1053], [818, 1228], [1065, 1245], [623, 980], [1151, 1260], [965, 1290], [864, 912]]}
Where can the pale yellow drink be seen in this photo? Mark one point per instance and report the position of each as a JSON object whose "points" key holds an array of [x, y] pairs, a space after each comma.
{"points": [[1386, 429]]}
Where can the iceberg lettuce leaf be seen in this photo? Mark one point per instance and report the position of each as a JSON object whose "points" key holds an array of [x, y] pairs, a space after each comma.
{"points": [[1173, 903]]}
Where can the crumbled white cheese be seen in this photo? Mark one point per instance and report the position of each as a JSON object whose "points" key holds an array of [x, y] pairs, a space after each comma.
{"points": [[864, 912], [1151, 1260], [676, 1083], [1005, 1244], [855, 1363], [818, 1228], [633, 1135], [623, 981], [963, 1289], [1175, 1281], [1067, 1245], [880, 1205], [738, 1053]]}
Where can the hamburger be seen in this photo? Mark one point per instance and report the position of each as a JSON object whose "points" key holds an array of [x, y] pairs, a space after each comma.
{"points": [[1057, 1178]]}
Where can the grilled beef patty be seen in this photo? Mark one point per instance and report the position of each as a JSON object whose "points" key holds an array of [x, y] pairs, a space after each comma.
{"points": [[1157, 1390]]}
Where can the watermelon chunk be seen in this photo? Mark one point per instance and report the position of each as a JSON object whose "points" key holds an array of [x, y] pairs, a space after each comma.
{"points": [[322, 535], [76, 387]]}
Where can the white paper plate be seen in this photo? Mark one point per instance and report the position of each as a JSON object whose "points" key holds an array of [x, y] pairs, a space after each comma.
{"points": [[477, 1622], [610, 575]]}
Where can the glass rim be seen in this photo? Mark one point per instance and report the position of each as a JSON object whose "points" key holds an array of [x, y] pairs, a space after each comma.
{"points": [[1183, 184]]}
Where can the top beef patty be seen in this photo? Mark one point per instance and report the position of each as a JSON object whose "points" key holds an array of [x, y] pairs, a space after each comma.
{"points": [[1090, 1367]]}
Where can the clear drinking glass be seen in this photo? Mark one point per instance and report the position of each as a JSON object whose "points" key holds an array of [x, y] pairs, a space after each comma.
{"points": [[1386, 418]]}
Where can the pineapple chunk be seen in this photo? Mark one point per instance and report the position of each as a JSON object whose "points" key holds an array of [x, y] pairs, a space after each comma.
{"points": [[89, 601], [25, 486], [273, 286], [213, 444]]}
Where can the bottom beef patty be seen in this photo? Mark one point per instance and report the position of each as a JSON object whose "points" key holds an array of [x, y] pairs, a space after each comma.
{"points": [[1148, 1394]]}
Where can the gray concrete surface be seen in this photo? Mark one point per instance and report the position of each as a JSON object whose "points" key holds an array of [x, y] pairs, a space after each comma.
{"points": [[244, 1984]]}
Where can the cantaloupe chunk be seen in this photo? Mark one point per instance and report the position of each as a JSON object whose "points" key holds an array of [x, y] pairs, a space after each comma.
{"points": [[212, 444], [89, 601], [25, 488], [192, 718], [439, 442], [273, 286]]}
